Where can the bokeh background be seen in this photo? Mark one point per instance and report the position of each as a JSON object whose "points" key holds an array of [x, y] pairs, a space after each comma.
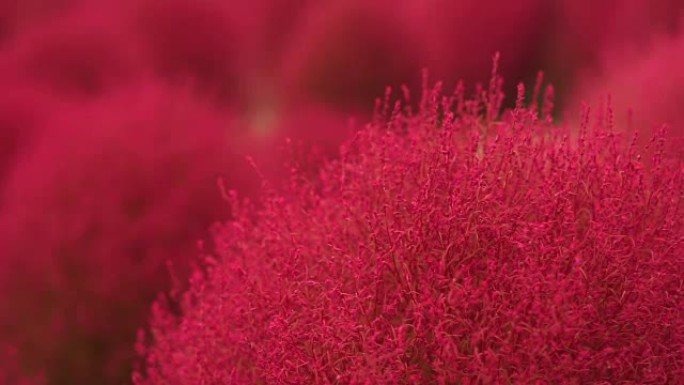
{"points": [[124, 124]]}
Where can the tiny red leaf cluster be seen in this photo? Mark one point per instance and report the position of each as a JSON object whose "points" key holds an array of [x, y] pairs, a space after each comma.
{"points": [[448, 245]]}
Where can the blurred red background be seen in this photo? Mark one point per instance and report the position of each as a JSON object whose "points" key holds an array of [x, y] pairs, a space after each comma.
{"points": [[118, 117]]}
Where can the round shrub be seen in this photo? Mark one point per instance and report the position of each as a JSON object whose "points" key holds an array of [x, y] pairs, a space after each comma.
{"points": [[446, 246]]}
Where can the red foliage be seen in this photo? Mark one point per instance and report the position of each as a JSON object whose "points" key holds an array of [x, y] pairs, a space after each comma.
{"points": [[446, 246], [91, 215]]}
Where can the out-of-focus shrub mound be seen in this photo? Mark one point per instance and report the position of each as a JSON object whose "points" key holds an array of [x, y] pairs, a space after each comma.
{"points": [[92, 214]]}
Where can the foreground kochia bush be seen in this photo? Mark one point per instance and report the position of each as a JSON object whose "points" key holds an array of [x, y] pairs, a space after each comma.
{"points": [[446, 247]]}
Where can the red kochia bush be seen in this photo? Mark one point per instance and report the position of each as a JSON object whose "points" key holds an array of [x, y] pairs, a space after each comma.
{"points": [[91, 215], [446, 246]]}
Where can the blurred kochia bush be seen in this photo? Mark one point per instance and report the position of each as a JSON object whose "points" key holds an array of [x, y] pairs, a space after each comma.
{"points": [[91, 215]]}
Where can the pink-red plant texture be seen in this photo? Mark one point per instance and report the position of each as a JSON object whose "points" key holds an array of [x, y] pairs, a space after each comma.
{"points": [[446, 246], [92, 213]]}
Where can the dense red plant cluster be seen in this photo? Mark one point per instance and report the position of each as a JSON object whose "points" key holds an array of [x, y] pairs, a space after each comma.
{"points": [[446, 246], [92, 214]]}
